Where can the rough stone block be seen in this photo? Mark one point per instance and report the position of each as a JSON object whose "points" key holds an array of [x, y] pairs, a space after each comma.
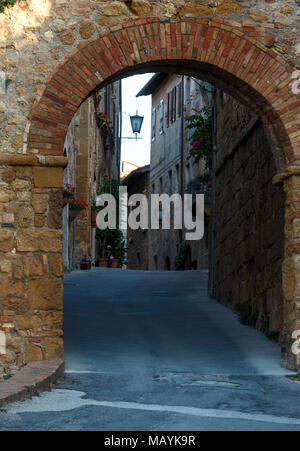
{"points": [[56, 265], [45, 294], [6, 240], [27, 322], [33, 266], [39, 240], [33, 353], [54, 348], [48, 177], [39, 203]]}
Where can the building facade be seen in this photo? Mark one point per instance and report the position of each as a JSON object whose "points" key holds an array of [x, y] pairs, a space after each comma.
{"points": [[93, 146], [172, 171]]}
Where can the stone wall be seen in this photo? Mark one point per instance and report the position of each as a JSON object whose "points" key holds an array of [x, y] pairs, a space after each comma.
{"points": [[92, 158], [250, 219], [31, 264], [36, 35]]}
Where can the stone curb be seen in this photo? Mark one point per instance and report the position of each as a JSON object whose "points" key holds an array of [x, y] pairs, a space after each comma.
{"points": [[31, 379]]}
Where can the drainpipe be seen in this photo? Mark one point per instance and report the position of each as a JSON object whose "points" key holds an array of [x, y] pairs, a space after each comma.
{"points": [[182, 155], [76, 133], [214, 194]]}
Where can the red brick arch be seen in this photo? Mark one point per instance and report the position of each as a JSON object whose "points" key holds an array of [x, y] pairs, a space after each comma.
{"points": [[216, 50]]}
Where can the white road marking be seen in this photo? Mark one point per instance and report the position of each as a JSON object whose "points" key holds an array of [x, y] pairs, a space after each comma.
{"points": [[64, 400]]}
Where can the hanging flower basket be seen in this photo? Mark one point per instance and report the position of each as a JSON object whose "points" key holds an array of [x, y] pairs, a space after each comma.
{"points": [[68, 194], [76, 206]]}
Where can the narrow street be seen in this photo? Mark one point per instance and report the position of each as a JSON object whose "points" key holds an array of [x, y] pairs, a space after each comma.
{"points": [[151, 351]]}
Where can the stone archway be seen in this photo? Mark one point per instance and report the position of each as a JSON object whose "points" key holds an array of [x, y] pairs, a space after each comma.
{"points": [[217, 50]]}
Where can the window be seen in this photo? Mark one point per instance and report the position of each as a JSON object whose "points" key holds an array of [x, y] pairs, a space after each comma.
{"points": [[187, 174], [179, 99], [168, 111], [161, 116], [173, 105], [160, 185], [177, 177], [170, 182], [154, 124]]}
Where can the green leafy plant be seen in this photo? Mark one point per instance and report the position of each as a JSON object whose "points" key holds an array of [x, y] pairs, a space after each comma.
{"points": [[295, 378], [8, 81], [7, 376], [200, 123], [109, 186], [94, 207], [247, 314], [69, 191], [6, 3], [273, 335], [77, 204], [111, 242], [181, 257]]}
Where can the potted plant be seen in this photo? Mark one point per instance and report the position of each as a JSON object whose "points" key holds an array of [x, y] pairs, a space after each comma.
{"points": [[94, 212], [104, 259], [75, 207], [183, 258], [115, 251], [114, 262], [68, 194]]}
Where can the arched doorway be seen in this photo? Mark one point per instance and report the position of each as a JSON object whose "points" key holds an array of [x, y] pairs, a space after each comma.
{"points": [[226, 57]]}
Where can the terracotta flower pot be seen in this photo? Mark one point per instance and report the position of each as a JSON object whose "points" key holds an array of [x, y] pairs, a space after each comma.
{"points": [[73, 214], [93, 219], [114, 263], [102, 262]]}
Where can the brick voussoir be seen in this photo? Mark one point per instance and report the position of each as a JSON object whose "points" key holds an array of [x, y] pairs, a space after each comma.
{"points": [[34, 377]]}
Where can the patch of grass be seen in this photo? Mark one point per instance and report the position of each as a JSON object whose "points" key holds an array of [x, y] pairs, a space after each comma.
{"points": [[272, 335], [247, 315], [7, 376], [295, 378], [6, 3]]}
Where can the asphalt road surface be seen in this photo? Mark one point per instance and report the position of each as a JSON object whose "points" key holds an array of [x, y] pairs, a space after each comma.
{"points": [[151, 351]]}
